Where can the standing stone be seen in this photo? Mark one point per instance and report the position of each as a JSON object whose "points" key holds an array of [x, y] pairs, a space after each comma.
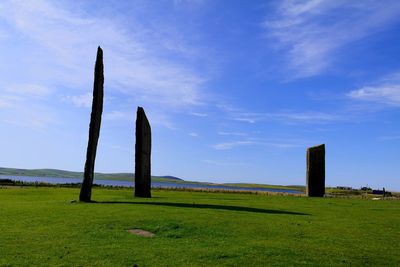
{"points": [[316, 171], [94, 128], [142, 155]]}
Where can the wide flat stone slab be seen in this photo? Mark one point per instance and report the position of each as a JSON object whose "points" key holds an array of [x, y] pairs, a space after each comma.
{"points": [[141, 232]]}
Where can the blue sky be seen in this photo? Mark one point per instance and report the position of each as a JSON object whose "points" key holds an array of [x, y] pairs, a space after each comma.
{"points": [[235, 91]]}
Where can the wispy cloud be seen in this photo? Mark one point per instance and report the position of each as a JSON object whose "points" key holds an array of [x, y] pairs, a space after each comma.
{"points": [[287, 117], [232, 133], [284, 116], [32, 119], [258, 142], [22, 106], [9, 100], [22, 113], [30, 90], [194, 134], [162, 119], [312, 31], [187, 2], [3, 103], [119, 115], [199, 114], [386, 91], [84, 100], [69, 38], [230, 145], [386, 94]]}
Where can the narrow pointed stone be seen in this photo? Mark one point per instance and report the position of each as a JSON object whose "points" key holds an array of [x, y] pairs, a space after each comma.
{"points": [[142, 155], [94, 128], [316, 171]]}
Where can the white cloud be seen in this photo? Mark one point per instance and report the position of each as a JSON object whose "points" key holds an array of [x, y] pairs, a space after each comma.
{"points": [[188, 2], [23, 106], [386, 91], [312, 31], [21, 112], [163, 119], [243, 119], [35, 121], [194, 134], [199, 114], [84, 100], [34, 90], [286, 117], [230, 145], [8, 101], [155, 117], [386, 94], [63, 43], [119, 115], [232, 133], [282, 116], [259, 142], [3, 103], [282, 145], [309, 117]]}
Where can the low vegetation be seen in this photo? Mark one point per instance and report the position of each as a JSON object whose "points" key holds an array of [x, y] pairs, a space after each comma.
{"points": [[48, 226]]}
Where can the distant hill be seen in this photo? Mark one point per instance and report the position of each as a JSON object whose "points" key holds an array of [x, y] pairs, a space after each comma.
{"points": [[128, 177], [71, 174], [170, 177]]}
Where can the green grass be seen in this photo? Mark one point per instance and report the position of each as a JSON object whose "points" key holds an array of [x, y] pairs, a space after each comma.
{"points": [[42, 227]]}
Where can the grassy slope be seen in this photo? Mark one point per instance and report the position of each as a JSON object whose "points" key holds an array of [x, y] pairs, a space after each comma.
{"points": [[40, 226]]}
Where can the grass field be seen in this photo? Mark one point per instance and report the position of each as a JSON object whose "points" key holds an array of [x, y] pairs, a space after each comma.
{"points": [[48, 227]]}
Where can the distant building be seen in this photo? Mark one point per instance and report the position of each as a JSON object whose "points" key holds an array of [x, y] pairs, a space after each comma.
{"points": [[344, 187], [381, 192]]}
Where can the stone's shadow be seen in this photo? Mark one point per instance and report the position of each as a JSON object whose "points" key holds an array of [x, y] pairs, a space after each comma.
{"points": [[206, 206]]}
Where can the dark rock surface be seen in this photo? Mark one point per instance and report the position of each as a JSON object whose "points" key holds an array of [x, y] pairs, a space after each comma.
{"points": [[142, 155], [316, 171], [94, 128]]}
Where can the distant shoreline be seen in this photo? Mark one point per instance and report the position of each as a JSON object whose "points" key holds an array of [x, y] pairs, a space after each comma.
{"points": [[55, 173], [181, 185]]}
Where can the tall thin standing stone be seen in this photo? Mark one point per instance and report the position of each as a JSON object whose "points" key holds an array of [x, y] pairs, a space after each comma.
{"points": [[316, 171], [94, 127], [142, 155]]}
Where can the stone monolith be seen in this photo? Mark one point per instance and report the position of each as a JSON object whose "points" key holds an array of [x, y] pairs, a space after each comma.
{"points": [[316, 171], [142, 155], [94, 127]]}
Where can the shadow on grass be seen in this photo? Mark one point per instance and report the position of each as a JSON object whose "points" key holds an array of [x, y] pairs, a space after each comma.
{"points": [[205, 206]]}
